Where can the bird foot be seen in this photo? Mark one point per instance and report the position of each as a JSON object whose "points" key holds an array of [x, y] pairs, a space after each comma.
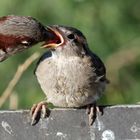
{"points": [[93, 111], [38, 111]]}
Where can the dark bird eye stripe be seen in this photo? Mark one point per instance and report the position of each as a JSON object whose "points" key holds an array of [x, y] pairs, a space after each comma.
{"points": [[71, 36]]}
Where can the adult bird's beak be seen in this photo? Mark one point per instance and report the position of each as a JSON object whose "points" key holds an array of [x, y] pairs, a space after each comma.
{"points": [[55, 38]]}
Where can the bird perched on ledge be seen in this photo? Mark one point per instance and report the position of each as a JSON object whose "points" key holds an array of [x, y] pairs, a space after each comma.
{"points": [[18, 33], [69, 74]]}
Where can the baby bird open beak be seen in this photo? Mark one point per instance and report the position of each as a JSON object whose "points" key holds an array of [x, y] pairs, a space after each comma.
{"points": [[56, 38]]}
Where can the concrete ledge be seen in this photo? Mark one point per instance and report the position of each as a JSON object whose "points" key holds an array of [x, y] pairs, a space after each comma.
{"points": [[117, 123]]}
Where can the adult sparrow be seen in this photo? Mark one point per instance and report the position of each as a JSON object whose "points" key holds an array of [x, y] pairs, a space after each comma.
{"points": [[18, 33]]}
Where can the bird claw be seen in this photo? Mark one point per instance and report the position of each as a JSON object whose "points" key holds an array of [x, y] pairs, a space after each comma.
{"points": [[93, 111], [38, 111]]}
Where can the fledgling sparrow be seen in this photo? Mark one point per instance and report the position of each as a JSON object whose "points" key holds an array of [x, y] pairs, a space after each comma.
{"points": [[69, 74]]}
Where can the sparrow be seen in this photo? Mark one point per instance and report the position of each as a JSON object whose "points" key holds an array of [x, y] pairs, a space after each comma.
{"points": [[69, 73], [18, 33]]}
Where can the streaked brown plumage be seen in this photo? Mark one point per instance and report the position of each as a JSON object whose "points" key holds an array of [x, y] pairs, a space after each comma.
{"points": [[18, 33]]}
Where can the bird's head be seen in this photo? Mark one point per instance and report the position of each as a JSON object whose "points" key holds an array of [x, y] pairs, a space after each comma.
{"points": [[66, 38]]}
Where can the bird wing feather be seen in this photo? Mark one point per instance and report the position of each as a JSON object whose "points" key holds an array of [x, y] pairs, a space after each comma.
{"points": [[99, 66]]}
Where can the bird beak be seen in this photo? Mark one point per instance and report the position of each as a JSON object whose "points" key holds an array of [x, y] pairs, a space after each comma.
{"points": [[56, 39]]}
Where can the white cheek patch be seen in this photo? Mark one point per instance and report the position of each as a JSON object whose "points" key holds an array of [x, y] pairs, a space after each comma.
{"points": [[25, 42]]}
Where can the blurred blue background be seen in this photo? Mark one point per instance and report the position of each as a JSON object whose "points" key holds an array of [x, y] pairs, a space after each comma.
{"points": [[112, 29]]}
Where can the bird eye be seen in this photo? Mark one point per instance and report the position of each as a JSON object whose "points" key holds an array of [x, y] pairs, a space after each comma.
{"points": [[71, 36]]}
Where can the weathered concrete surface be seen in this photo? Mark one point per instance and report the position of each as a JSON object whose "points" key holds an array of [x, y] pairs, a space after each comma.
{"points": [[117, 123]]}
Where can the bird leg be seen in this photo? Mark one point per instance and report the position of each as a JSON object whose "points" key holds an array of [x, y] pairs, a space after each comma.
{"points": [[38, 111], [93, 111]]}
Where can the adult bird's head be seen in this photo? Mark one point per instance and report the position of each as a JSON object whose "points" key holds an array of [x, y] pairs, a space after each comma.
{"points": [[18, 33], [66, 39]]}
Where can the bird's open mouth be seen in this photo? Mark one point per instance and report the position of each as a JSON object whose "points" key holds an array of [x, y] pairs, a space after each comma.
{"points": [[55, 40]]}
